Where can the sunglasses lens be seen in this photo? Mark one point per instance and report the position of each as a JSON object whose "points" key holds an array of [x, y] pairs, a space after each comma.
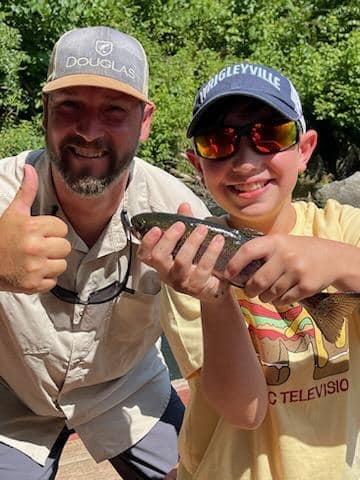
{"points": [[268, 138], [220, 143]]}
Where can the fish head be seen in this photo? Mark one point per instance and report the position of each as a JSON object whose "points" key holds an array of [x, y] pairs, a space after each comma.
{"points": [[140, 225], [143, 222]]}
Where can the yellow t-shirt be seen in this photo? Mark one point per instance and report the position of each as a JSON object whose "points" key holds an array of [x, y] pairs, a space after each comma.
{"points": [[311, 430]]}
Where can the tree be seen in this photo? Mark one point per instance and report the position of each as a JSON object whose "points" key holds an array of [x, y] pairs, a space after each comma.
{"points": [[316, 43]]}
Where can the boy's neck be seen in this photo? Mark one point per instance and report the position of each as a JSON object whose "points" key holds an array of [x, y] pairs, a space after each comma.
{"points": [[284, 222]]}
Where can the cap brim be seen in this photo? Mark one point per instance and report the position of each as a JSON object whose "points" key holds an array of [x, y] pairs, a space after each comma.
{"points": [[94, 81], [270, 100]]}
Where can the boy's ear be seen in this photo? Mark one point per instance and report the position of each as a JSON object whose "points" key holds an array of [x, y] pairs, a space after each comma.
{"points": [[193, 159], [307, 144], [191, 156]]}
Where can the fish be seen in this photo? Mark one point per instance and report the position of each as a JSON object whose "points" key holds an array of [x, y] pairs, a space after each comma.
{"points": [[327, 309]]}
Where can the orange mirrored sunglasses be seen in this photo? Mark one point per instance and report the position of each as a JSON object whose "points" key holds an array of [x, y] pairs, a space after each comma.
{"points": [[264, 138]]}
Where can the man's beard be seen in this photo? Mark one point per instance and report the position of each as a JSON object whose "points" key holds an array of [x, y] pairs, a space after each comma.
{"points": [[83, 183]]}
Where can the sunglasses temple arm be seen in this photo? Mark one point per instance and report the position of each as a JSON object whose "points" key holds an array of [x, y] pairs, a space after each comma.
{"points": [[129, 229]]}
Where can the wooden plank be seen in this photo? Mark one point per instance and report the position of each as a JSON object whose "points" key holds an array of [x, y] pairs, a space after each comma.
{"points": [[77, 464]]}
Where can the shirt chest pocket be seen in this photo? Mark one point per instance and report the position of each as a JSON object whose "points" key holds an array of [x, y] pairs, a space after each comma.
{"points": [[27, 324], [135, 316]]}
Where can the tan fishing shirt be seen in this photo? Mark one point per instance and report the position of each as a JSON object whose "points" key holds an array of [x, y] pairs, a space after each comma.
{"points": [[96, 368]]}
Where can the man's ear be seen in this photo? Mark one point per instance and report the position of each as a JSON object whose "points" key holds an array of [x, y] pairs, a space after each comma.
{"points": [[307, 144], [45, 99], [149, 110]]}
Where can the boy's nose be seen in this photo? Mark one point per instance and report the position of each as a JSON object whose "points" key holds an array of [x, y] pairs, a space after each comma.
{"points": [[245, 160]]}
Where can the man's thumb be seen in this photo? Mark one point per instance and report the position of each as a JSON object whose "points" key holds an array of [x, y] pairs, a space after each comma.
{"points": [[27, 192]]}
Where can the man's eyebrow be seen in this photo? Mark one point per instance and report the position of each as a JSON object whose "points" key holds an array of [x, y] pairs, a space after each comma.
{"points": [[54, 96], [113, 96]]}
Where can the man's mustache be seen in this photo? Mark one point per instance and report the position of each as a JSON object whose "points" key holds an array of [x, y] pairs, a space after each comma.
{"points": [[77, 141]]}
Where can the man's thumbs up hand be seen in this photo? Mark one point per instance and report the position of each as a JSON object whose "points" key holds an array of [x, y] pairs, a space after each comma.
{"points": [[26, 194], [32, 249]]}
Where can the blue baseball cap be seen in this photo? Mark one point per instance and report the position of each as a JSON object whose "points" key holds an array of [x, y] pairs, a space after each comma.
{"points": [[251, 80]]}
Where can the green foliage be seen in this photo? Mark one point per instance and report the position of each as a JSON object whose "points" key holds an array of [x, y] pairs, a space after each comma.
{"points": [[25, 135], [172, 90], [317, 45], [315, 42], [11, 62]]}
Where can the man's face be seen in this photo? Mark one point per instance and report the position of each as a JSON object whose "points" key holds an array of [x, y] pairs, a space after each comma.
{"points": [[92, 135]]}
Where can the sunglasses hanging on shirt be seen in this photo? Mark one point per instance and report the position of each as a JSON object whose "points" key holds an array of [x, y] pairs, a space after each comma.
{"points": [[107, 293]]}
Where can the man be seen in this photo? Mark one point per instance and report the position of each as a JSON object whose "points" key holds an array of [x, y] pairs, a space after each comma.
{"points": [[81, 350]]}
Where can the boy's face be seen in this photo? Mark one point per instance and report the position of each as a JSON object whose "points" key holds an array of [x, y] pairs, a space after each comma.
{"points": [[255, 188]]}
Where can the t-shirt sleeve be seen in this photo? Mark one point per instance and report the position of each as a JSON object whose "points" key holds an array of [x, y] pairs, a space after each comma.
{"points": [[348, 218]]}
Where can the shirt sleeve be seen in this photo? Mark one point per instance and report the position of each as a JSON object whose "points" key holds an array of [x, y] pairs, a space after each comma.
{"points": [[339, 222], [181, 322], [350, 221]]}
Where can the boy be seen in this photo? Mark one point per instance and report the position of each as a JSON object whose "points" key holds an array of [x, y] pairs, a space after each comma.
{"points": [[250, 144]]}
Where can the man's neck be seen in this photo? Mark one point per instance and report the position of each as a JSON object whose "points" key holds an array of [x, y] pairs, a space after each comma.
{"points": [[89, 216]]}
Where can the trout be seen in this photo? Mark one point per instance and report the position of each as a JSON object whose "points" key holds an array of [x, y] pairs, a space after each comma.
{"points": [[327, 309]]}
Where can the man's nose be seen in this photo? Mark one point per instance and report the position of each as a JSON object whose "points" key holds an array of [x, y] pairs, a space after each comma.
{"points": [[90, 127]]}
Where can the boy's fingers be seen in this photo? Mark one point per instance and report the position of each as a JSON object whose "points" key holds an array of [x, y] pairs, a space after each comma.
{"points": [[277, 289], [208, 260], [156, 251], [185, 209], [265, 279], [192, 244], [255, 249], [148, 243], [187, 253]]}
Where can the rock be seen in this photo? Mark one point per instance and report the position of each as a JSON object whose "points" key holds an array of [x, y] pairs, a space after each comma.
{"points": [[195, 185], [344, 191]]}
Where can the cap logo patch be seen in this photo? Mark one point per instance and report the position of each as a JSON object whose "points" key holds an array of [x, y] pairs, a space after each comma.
{"points": [[263, 83], [103, 48], [240, 69]]}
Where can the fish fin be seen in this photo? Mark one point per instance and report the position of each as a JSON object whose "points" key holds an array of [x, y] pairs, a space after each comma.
{"points": [[329, 310]]}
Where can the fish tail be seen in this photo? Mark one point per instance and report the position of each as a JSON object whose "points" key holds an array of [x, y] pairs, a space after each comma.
{"points": [[329, 311]]}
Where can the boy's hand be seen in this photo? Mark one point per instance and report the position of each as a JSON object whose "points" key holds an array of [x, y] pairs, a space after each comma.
{"points": [[179, 272], [32, 249], [295, 267], [172, 474]]}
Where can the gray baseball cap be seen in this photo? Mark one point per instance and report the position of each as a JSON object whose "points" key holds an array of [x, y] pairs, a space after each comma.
{"points": [[99, 57]]}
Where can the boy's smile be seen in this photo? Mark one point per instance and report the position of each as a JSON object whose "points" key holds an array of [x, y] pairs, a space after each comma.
{"points": [[249, 190]]}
